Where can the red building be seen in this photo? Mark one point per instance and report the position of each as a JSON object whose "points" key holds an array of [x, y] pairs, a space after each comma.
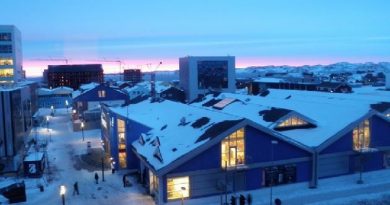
{"points": [[74, 75]]}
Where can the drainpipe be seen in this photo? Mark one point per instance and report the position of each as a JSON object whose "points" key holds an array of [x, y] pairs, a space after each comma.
{"points": [[314, 171]]}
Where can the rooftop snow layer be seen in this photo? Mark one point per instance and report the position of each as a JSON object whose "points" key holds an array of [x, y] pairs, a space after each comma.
{"points": [[331, 111], [171, 123]]}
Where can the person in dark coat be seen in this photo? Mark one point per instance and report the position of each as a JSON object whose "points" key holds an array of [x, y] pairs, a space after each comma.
{"points": [[76, 188], [233, 200], [249, 199], [124, 180], [242, 199], [96, 178], [278, 201]]}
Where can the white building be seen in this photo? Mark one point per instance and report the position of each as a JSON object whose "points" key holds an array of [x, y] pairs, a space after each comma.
{"points": [[10, 54], [201, 74]]}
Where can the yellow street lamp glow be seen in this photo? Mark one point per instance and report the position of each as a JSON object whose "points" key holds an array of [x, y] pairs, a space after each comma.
{"points": [[62, 190]]}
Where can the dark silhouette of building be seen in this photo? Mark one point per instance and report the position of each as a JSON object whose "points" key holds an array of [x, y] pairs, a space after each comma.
{"points": [[132, 75], [74, 75]]}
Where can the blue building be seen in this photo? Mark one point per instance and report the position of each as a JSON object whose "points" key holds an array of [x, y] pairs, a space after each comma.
{"points": [[87, 103], [229, 142], [59, 97]]}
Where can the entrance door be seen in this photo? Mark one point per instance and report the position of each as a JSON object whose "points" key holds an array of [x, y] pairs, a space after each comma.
{"points": [[233, 156]]}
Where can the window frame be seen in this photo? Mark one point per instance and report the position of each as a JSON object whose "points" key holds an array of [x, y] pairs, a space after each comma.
{"points": [[359, 138], [179, 195], [233, 141]]}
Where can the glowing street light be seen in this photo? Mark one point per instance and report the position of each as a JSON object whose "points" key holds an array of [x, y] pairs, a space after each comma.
{"points": [[67, 105], [47, 123], [62, 193], [52, 110], [82, 129]]}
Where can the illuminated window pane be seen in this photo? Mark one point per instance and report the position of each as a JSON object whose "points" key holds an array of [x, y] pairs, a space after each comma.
{"points": [[6, 73], [122, 143], [153, 182], [6, 61], [178, 187], [233, 149], [102, 93], [292, 121], [361, 136]]}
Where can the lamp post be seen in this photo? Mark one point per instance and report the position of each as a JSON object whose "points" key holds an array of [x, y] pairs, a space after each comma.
{"points": [[67, 106], [82, 129], [103, 153], [183, 189], [273, 142], [52, 110], [62, 193], [47, 123]]}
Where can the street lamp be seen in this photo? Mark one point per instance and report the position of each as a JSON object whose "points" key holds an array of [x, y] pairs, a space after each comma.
{"points": [[273, 142], [82, 129], [47, 123], [183, 189], [62, 193], [52, 110], [103, 161], [67, 106]]}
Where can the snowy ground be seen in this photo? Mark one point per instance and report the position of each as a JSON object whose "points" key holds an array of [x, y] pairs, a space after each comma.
{"points": [[66, 146]]}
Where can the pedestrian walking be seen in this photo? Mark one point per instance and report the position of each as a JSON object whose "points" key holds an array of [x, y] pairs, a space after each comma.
{"points": [[112, 168], [96, 178], [242, 199], [249, 199], [278, 201], [76, 188], [124, 180], [233, 200]]}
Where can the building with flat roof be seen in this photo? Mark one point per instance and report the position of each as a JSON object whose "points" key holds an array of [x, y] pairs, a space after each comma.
{"points": [[202, 74], [10, 54], [132, 75], [74, 75]]}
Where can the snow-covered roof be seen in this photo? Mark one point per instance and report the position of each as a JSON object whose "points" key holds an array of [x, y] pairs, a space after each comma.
{"points": [[35, 156], [331, 112], [84, 88], [269, 80], [160, 86], [63, 90], [179, 128]]}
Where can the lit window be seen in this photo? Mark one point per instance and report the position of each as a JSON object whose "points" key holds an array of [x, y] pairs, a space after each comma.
{"points": [[292, 122], [233, 149], [122, 143], [102, 93], [6, 73], [178, 187], [361, 136], [6, 61], [153, 182], [388, 115]]}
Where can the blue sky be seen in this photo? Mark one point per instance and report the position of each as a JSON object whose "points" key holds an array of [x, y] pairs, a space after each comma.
{"points": [[257, 32]]}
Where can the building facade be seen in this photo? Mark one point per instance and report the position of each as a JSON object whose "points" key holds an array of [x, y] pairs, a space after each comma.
{"points": [[132, 75], [10, 54], [60, 97], [74, 75], [17, 105], [229, 142], [200, 75]]}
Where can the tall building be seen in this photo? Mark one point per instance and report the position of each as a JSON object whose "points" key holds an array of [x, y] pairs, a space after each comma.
{"points": [[10, 54], [132, 75], [74, 75], [200, 75]]}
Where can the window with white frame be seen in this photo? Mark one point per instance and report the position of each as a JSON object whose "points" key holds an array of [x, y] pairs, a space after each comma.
{"points": [[102, 93], [233, 149], [293, 121]]}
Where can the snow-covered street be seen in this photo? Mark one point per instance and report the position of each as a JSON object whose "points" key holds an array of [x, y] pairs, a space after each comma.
{"points": [[64, 148]]}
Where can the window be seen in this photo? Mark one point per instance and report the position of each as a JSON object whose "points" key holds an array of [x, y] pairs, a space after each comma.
{"points": [[5, 48], [5, 37], [6, 73], [178, 187], [153, 182], [6, 61], [361, 136], [292, 122], [122, 143], [102, 93], [233, 149]]}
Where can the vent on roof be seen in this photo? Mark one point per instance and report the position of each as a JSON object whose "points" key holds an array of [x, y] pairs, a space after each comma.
{"points": [[183, 122], [288, 97], [163, 127], [223, 103], [141, 139], [200, 122], [174, 149], [156, 142], [157, 154]]}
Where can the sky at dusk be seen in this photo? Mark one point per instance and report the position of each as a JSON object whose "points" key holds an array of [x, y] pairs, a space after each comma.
{"points": [[257, 32]]}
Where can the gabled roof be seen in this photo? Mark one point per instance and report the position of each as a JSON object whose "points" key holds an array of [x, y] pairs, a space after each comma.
{"points": [[173, 124], [330, 112]]}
